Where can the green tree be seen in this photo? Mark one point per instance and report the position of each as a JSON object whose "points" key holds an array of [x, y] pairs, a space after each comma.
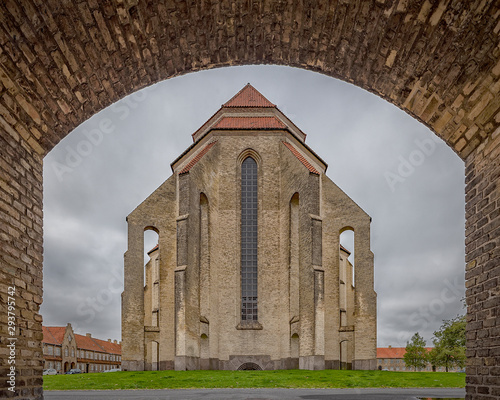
{"points": [[449, 344], [416, 353]]}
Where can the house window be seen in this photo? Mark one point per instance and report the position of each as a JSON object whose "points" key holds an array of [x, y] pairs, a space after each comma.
{"points": [[249, 240]]}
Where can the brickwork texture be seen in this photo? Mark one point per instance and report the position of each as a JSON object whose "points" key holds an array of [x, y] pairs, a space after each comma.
{"points": [[63, 61]]}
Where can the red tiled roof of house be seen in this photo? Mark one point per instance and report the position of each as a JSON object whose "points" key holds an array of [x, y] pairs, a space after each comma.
{"points": [[249, 123], [393, 352], [53, 334], [109, 347], [248, 97], [197, 158], [301, 158], [87, 343]]}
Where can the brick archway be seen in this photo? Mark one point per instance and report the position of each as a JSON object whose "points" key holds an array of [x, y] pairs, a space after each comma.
{"points": [[61, 62]]}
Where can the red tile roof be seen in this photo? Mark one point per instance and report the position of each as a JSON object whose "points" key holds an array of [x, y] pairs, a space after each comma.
{"points": [[248, 97], [197, 158], [393, 352], [249, 123], [86, 343], [53, 334], [109, 347], [301, 158]]}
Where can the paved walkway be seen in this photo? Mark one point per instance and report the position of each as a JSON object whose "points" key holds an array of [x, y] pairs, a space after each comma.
{"points": [[257, 394]]}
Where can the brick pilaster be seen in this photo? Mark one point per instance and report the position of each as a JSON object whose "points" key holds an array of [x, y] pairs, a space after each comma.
{"points": [[483, 270], [21, 265]]}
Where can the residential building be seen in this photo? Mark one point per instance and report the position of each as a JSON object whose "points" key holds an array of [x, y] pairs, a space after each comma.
{"points": [[392, 359], [64, 350]]}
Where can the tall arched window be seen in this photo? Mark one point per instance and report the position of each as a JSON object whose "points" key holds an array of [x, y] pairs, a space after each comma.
{"points": [[249, 240]]}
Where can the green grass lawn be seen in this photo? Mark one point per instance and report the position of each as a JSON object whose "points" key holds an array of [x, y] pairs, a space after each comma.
{"points": [[251, 379]]}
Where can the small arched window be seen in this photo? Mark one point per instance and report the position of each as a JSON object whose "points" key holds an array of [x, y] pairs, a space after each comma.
{"points": [[249, 208]]}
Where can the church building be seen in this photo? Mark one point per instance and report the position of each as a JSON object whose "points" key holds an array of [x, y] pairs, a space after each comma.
{"points": [[248, 272]]}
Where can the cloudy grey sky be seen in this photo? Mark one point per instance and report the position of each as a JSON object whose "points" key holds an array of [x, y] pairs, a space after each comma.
{"points": [[409, 181]]}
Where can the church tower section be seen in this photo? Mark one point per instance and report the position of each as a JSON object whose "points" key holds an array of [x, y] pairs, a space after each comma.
{"points": [[248, 272]]}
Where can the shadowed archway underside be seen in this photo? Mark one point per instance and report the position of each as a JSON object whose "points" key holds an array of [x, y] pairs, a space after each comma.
{"points": [[62, 62]]}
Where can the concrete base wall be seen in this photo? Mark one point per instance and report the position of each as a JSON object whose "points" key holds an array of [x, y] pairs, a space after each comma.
{"points": [[186, 363], [133, 365], [312, 362], [264, 362], [332, 364], [166, 365], [364, 364]]}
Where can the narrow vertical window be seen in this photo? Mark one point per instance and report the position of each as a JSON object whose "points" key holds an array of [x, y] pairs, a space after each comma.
{"points": [[249, 240]]}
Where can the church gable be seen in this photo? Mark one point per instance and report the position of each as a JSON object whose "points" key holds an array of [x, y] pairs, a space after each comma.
{"points": [[336, 199], [248, 113], [248, 109], [163, 197], [247, 266]]}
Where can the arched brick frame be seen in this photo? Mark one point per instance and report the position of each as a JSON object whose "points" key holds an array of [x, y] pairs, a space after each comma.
{"points": [[63, 61]]}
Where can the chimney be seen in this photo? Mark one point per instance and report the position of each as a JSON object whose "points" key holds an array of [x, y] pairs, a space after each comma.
{"points": [[88, 335], [390, 346], [114, 341], [109, 340]]}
